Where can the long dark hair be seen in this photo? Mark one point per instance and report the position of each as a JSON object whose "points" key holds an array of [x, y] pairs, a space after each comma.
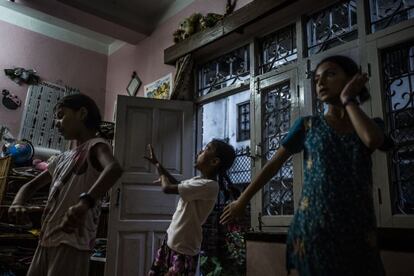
{"points": [[227, 155], [349, 66], [76, 102]]}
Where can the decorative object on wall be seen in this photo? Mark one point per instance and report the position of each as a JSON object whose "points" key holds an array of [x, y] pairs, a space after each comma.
{"points": [[188, 27], [5, 136], [210, 20], [20, 75], [38, 124], [159, 89], [10, 101], [107, 130], [183, 79], [198, 22], [134, 84]]}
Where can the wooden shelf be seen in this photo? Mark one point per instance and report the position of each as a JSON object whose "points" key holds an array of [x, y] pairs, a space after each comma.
{"points": [[17, 236], [235, 22]]}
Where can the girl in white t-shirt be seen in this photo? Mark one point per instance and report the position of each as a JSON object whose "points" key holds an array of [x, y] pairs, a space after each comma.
{"points": [[178, 255], [79, 178]]}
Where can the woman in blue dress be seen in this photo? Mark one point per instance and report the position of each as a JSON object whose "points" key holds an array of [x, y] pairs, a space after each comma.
{"points": [[333, 231]]}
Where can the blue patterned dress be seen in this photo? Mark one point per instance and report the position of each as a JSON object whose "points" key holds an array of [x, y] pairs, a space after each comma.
{"points": [[334, 230]]}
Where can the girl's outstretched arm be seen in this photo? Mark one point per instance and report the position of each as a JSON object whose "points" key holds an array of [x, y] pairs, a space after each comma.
{"points": [[18, 209], [236, 208], [367, 130], [161, 170], [167, 186]]}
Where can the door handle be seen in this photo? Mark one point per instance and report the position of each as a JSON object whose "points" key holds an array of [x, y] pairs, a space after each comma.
{"points": [[118, 196]]}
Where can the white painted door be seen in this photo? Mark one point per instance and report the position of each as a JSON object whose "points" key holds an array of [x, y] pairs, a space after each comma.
{"points": [[139, 212]]}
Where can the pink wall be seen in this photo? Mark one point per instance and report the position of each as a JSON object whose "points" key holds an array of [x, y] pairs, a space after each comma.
{"points": [[53, 60], [147, 57]]}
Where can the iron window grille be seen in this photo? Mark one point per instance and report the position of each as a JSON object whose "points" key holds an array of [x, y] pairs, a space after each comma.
{"points": [[331, 27], [240, 172], [385, 13], [398, 77], [278, 193], [243, 121], [277, 49], [227, 70]]}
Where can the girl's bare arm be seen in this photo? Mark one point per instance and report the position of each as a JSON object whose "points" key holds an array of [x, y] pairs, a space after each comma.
{"points": [[110, 173], [167, 186], [101, 154], [28, 189], [18, 210], [236, 208], [161, 170], [368, 131]]}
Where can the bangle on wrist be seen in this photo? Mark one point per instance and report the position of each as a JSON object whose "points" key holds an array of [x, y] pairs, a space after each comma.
{"points": [[88, 199]]}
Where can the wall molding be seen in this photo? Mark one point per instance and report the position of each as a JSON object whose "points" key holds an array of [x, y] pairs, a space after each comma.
{"points": [[53, 27]]}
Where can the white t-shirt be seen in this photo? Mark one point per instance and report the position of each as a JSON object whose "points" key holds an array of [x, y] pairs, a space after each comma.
{"points": [[197, 199]]}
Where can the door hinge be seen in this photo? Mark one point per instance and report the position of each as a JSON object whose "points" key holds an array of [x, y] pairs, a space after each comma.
{"points": [[258, 85], [369, 70], [258, 150]]}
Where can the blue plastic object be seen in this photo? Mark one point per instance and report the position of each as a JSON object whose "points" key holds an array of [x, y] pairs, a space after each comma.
{"points": [[20, 151]]}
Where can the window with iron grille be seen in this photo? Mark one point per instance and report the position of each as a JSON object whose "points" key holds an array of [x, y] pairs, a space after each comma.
{"points": [[218, 121], [227, 70], [385, 13], [243, 121], [278, 193], [275, 99], [331, 27], [240, 173], [277, 49], [398, 77]]}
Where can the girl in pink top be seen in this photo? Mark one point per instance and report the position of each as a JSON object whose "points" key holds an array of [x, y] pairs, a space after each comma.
{"points": [[78, 178]]}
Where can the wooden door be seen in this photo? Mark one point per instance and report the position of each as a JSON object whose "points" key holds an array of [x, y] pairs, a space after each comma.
{"points": [[139, 212]]}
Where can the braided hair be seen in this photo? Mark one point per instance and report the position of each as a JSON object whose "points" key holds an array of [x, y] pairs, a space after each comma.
{"points": [[227, 155]]}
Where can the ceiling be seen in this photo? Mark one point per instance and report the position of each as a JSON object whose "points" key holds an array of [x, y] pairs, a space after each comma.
{"points": [[107, 21], [142, 16]]}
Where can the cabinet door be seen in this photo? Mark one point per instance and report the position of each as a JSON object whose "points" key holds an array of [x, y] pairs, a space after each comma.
{"points": [[139, 211]]}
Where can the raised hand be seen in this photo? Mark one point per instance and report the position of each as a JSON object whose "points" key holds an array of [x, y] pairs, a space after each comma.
{"points": [[232, 212], [151, 155], [354, 86]]}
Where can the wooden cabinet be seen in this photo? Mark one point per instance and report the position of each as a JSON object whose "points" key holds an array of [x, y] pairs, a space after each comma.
{"points": [[17, 243]]}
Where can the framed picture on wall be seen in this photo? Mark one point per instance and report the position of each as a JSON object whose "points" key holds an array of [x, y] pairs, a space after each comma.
{"points": [[134, 85], [159, 89]]}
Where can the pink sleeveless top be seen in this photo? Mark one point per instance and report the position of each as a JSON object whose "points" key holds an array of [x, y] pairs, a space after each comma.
{"points": [[72, 174]]}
